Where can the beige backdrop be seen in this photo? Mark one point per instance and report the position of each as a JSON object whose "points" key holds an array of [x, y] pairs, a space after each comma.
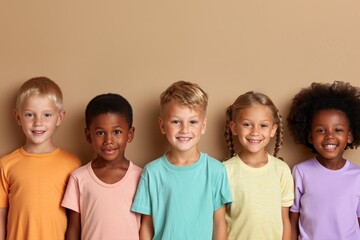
{"points": [[138, 48]]}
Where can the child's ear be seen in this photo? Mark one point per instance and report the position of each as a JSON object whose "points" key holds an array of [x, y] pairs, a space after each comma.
{"points": [[309, 138], [161, 125], [233, 129], [203, 129], [87, 135], [350, 137], [60, 117], [131, 134], [17, 116], [273, 130]]}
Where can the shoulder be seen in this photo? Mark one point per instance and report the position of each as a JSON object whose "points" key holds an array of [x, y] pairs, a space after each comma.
{"points": [[135, 170], [10, 157], [231, 162], [80, 171], [153, 166], [307, 164], [70, 159], [211, 160], [278, 162]]}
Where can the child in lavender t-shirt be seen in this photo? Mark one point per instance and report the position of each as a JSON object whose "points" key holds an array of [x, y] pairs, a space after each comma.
{"points": [[326, 118]]}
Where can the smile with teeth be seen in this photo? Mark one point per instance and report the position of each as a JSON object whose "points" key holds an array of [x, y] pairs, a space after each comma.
{"points": [[184, 139], [38, 132], [254, 140], [330, 146]]}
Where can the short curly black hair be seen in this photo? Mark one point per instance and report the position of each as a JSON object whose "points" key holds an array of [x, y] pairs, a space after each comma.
{"points": [[324, 96], [108, 103]]}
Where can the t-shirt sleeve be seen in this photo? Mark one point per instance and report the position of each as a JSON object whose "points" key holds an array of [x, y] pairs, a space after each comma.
{"points": [[142, 200], [4, 187], [71, 198], [298, 190], [287, 188], [222, 194]]}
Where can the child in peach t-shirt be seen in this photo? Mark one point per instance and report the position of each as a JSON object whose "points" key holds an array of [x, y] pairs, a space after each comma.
{"points": [[100, 193]]}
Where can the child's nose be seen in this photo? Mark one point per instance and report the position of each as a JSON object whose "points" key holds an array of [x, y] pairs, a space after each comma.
{"points": [[37, 121], [184, 127], [109, 139]]}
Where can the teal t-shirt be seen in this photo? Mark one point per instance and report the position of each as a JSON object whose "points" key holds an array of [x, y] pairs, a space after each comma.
{"points": [[182, 199]]}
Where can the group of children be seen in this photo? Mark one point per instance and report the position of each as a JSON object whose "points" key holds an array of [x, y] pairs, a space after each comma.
{"points": [[185, 194]]}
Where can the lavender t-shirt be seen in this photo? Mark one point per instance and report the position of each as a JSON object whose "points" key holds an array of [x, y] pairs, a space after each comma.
{"points": [[328, 201]]}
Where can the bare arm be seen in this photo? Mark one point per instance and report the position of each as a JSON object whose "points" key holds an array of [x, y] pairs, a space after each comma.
{"points": [[73, 231], [3, 220], [220, 227], [286, 223], [294, 220], [146, 228]]}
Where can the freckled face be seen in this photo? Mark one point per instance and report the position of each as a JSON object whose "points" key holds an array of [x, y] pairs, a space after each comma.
{"points": [[330, 133], [182, 126], [254, 128], [39, 117]]}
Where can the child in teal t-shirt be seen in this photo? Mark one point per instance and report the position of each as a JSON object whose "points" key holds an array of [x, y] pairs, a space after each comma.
{"points": [[182, 195]]}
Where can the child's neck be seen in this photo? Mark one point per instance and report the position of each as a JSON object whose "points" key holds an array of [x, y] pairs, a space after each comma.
{"points": [[332, 164], [182, 158], [255, 160], [110, 172], [39, 148]]}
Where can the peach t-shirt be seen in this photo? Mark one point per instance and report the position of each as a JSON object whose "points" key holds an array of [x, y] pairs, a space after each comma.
{"points": [[104, 208]]}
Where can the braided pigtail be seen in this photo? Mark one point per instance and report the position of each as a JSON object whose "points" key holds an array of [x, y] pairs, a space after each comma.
{"points": [[228, 134], [279, 134]]}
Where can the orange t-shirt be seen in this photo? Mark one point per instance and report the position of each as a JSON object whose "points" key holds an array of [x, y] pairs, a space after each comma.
{"points": [[32, 187]]}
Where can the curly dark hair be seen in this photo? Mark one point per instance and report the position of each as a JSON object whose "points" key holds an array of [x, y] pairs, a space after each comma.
{"points": [[324, 96]]}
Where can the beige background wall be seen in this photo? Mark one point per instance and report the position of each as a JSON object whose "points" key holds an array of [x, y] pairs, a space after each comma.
{"points": [[138, 48]]}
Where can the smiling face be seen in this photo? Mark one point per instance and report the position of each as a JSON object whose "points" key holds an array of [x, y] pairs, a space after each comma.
{"points": [[254, 126], [182, 126], [109, 134], [330, 134], [38, 116]]}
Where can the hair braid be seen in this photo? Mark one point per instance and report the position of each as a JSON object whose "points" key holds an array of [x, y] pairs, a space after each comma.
{"points": [[279, 134], [228, 133]]}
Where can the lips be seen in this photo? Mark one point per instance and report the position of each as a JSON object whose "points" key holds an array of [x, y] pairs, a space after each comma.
{"points": [[330, 146], [38, 132], [183, 139], [255, 141]]}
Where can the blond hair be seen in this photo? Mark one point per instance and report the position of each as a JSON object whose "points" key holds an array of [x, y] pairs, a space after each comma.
{"points": [[244, 101], [185, 93], [40, 86]]}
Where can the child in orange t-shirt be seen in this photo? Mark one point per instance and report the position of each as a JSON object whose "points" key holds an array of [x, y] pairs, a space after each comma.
{"points": [[34, 177]]}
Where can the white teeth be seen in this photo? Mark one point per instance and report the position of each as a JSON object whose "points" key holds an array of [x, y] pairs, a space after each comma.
{"points": [[183, 139], [330, 146], [254, 141]]}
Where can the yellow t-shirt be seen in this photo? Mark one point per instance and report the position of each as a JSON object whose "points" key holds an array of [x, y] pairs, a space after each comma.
{"points": [[258, 196], [32, 187]]}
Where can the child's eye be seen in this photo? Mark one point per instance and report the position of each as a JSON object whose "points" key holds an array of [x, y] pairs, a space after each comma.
{"points": [[175, 121], [338, 130], [247, 125], [29, 115], [100, 133], [264, 125], [47, 115], [193, 122], [320, 130], [117, 132]]}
